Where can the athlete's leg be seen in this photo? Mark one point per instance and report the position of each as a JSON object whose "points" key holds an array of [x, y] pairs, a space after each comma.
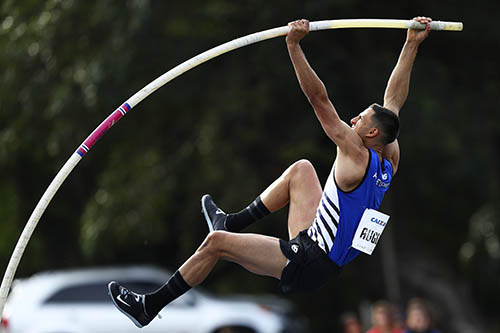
{"points": [[257, 253], [299, 187]]}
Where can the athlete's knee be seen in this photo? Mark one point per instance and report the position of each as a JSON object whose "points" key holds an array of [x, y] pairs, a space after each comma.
{"points": [[302, 169], [304, 183], [213, 244]]}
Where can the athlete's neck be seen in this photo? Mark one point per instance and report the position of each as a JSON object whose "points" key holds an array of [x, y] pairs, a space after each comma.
{"points": [[377, 149]]}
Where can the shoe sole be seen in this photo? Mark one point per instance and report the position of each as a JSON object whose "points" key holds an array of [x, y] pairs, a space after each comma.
{"points": [[205, 213], [136, 323]]}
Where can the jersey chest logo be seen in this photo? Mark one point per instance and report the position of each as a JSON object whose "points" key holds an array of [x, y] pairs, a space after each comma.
{"points": [[380, 182]]}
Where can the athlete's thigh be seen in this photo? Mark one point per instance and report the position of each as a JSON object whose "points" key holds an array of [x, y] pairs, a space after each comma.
{"points": [[305, 195], [258, 253]]}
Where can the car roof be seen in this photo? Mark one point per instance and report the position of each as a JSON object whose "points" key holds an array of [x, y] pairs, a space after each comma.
{"points": [[99, 273], [48, 281]]}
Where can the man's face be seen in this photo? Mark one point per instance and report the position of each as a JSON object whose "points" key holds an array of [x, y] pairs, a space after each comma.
{"points": [[362, 123]]}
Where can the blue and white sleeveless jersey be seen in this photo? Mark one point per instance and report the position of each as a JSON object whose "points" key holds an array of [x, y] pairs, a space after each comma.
{"points": [[339, 212]]}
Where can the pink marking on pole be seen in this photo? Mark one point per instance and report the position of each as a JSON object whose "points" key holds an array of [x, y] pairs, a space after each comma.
{"points": [[103, 128]]}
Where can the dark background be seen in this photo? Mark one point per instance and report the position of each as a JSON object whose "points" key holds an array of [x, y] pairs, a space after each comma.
{"points": [[232, 125]]}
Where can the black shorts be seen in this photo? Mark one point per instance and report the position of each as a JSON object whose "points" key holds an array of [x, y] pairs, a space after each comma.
{"points": [[309, 268]]}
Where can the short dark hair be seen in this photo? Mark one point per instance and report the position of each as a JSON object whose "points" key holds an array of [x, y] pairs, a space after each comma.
{"points": [[387, 123]]}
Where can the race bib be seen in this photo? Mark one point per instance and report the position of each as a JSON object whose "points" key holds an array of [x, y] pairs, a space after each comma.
{"points": [[369, 230]]}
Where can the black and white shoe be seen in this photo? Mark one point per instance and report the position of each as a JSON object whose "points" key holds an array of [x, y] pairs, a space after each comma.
{"points": [[130, 304], [216, 218]]}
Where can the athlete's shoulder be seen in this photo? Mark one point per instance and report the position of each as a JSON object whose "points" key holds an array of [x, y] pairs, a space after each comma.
{"points": [[351, 171], [391, 153]]}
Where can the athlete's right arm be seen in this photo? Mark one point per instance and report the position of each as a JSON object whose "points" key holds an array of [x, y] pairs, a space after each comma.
{"points": [[336, 129]]}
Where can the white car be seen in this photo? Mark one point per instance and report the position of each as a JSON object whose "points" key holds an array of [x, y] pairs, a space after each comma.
{"points": [[77, 301]]}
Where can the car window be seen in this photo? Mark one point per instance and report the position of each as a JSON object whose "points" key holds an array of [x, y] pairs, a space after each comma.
{"points": [[96, 292]]}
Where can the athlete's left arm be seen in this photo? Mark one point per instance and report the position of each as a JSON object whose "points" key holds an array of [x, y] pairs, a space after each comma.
{"points": [[391, 153], [398, 86]]}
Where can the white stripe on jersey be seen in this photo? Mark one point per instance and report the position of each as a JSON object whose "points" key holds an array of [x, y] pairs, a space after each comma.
{"points": [[327, 217], [316, 237], [328, 207], [325, 234]]}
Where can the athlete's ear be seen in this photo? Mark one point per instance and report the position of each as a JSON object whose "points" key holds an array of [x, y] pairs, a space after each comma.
{"points": [[373, 132]]}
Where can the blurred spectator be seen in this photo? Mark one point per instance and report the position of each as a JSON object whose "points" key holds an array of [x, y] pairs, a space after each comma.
{"points": [[350, 323], [398, 320], [418, 317], [383, 318]]}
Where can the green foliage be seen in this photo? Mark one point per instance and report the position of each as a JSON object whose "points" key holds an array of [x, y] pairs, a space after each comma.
{"points": [[230, 127]]}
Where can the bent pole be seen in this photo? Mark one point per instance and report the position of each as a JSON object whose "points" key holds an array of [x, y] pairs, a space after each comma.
{"points": [[161, 81]]}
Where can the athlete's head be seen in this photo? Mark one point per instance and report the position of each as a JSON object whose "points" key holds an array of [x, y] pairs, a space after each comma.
{"points": [[387, 122], [377, 122]]}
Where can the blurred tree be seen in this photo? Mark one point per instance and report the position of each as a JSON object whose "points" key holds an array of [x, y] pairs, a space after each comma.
{"points": [[231, 126]]}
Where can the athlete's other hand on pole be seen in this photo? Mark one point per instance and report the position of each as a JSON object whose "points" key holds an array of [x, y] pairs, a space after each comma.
{"points": [[418, 36], [298, 30]]}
